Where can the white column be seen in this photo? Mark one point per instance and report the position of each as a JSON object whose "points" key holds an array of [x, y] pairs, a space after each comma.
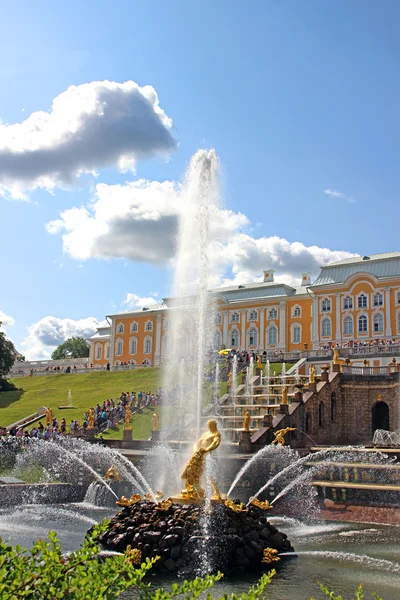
{"points": [[243, 336], [112, 342], [282, 325], [387, 310], [338, 332], [157, 355], [261, 332], [225, 330], [91, 352], [315, 320]]}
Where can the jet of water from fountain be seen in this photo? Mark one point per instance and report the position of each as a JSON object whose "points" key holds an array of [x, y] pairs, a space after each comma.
{"points": [[379, 563]]}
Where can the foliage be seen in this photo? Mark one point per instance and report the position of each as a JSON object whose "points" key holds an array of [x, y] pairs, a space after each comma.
{"points": [[74, 347], [7, 355], [6, 385], [359, 593]]}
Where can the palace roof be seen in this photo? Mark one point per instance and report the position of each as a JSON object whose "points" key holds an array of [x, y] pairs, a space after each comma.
{"points": [[379, 265]]}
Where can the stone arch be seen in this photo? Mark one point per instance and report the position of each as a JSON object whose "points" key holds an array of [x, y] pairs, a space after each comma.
{"points": [[321, 415], [380, 416]]}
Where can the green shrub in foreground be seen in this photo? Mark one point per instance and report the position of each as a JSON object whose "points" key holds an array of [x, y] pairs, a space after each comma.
{"points": [[44, 573]]}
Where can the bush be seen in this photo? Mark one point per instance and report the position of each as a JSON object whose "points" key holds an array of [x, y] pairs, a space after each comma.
{"points": [[6, 385]]}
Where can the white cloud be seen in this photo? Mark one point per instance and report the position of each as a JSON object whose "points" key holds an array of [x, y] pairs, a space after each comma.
{"points": [[133, 301], [89, 126], [341, 195], [45, 335], [6, 321]]}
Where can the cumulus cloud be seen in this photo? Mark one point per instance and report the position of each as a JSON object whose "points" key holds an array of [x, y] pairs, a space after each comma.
{"points": [[89, 126], [45, 335], [6, 321], [335, 194], [133, 301]]}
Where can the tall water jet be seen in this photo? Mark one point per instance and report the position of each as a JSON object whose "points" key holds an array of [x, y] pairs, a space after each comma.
{"points": [[216, 389], [267, 377], [234, 379], [69, 398], [283, 373], [192, 321], [250, 375]]}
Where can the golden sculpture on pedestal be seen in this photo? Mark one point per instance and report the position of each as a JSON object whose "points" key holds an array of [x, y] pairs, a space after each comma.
{"points": [[312, 374], [270, 556], [336, 360], [259, 363], [90, 418], [124, 501], [155, 422], [235, 507], [209, 441], [285, 396], [128, 417], [246, 424], [49, 417], [113, 473], [164, 505], [279, 435]]}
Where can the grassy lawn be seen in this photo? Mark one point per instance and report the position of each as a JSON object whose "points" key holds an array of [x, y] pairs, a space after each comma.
{"points": [[87, 390], [141, 423]]}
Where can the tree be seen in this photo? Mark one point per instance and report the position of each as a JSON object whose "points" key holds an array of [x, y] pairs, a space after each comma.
{"points": [[7, 355], [75, 347]]}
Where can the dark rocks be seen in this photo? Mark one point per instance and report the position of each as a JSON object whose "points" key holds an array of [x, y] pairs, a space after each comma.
{"points": [[232, 542]]}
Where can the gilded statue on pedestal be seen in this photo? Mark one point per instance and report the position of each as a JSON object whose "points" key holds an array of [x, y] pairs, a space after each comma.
{"points": [[246, 424], [279, 435], [336, 357], [128, 417], [49, 416], [285, 396], [91, 418], [209, 441], [259, 363], [155, 422], [312, 374]]}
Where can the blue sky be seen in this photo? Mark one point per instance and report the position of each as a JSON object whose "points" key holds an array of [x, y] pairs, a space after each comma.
{"points": [[297, 98]]}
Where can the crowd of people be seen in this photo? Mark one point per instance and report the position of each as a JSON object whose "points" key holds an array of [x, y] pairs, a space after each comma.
{"points": [[107, 415]]}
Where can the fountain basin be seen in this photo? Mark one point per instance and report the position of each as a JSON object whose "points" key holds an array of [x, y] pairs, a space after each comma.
{"points": [[188, 537]]}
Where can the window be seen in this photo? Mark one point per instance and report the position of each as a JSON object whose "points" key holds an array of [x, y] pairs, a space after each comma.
{"points": [[253, 336], [235, 338], [120, 328], [98, 352], [398, 297], [273, 336], [348, 326], [107, 350], [333, 406], [149, 326], [119, 346], [362, 324], [378, 323], [134, 327], [321, 414], [253, 315], [296, 311], [218, 318], [347, 303], [235, 317], [273, 313], [326, 328], [378, 299], [147, 345], [133, 346], [398, 320], [362, 301], [217, 339], [296, 334], [326, 305]]}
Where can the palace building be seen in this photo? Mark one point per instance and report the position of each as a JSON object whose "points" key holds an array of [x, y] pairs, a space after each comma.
{"points": [[351, 301]]}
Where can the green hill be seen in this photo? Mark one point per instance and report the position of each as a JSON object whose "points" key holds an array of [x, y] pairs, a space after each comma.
{"points": [[87, 390]]}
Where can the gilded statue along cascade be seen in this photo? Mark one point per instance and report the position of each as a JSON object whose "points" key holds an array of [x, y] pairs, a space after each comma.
{"points": [[279, 435], [209, 441], [128, 417], [246, 424]]}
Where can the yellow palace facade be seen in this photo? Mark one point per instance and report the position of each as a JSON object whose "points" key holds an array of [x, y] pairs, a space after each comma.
{"points": [[354, 300]]}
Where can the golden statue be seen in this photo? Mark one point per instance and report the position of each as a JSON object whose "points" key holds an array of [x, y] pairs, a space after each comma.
{"points": [[246, 424], [155, 422], [124, 501], [285, 395], [49, 416], [235, 507], [259, 363], [113, 473], [312, 374], [128, 417], [209, 441], [260, 504], [270, 556], [336, 360], [279, 435], [91, 418]]}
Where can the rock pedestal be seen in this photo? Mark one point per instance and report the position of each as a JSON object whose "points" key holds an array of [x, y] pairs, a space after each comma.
{"points": [[245, 441], [284, 409], [127, 435], [155, 436], [90, 433]]}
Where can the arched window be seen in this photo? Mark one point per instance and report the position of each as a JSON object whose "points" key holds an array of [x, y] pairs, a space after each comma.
{"points": [[398, 320], [296, 311], [273, 313], [134, 327], [308, 421], [107, 350], [133, 345], [321, 414], [98, 351], [362, 324], [273, 336], [120, 328], [326, 328], [296, 334], [347, 303], [348, 326], [119, 347], [378, 299], [217, 339], [253, 315], [149, 326], [235, 338], [362, 300], [378, 323], [235, 317], [218, 318], [333, 406], [326, 305], [253, 336], [147, 345]]}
